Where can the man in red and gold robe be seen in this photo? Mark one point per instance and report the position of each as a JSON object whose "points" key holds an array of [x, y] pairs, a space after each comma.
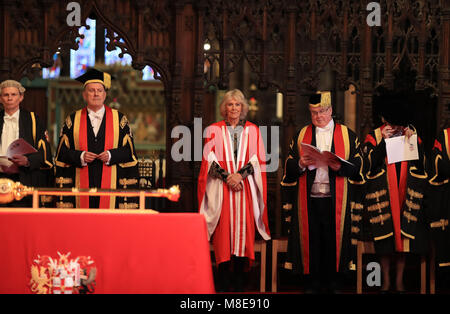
{"points": [[96, 149], [317, 196]]}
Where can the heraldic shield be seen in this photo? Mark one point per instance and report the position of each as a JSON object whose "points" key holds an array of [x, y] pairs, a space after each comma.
{"points": [[63, 275]]}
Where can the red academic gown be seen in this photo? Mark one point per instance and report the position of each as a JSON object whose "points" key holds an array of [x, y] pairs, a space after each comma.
{"points": [[296, 190], [232, 217]]}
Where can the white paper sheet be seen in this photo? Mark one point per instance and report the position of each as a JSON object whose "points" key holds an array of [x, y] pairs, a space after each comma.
{"points": [[401, 149]]}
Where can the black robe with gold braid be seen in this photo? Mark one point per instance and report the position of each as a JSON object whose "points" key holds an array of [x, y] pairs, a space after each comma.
{"points": [[394, 200], [438, 202], [40, 171], [296, 187], [122, 170]]}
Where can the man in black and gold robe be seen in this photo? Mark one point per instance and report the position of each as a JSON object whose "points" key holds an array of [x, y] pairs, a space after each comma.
{"points": [[395, 191], [96, 149], [438, 209], [33, 169], [317, 197]]}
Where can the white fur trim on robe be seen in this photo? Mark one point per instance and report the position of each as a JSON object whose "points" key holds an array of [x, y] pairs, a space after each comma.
{"points": [[257, 190], [211, 206]]}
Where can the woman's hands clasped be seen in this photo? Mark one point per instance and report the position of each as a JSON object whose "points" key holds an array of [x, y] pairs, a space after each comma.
{"points": [[234, 181]]}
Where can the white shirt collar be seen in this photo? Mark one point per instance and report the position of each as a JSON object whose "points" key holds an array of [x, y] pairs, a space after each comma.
{"points": [[327, 128], [14, 115], [99, 113]]}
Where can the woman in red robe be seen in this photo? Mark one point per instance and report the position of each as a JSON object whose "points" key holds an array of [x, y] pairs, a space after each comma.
{"points": [[232, 191]]}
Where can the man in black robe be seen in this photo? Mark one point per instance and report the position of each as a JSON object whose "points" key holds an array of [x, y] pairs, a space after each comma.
{"points": [[317, 196], [32, 169], [96, 149], [438, 202], [393, 209]]}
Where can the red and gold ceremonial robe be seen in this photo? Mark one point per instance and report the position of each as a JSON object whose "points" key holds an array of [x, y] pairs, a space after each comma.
{"points": [[114, 135], [296, 189], [394, 199], [231, 216]]}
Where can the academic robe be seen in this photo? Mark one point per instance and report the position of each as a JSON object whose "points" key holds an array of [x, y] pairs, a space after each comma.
{"points": [[231, 217], [114, 134], [394, 199], [39, 173], [438, 202], [296, 189]]}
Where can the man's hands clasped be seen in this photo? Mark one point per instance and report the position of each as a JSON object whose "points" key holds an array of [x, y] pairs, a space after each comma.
{"points": [[90, 157]]}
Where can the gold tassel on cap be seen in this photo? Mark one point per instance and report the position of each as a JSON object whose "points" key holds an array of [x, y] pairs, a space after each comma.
{"points": [[325, 100]]}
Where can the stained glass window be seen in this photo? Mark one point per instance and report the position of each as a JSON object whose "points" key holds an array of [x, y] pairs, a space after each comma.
{"points": [[112, 57], [55, 70], [148, 74], [84, 57]]}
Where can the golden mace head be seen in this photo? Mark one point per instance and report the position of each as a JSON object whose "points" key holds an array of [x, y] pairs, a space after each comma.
{"points": [[10, 191]]}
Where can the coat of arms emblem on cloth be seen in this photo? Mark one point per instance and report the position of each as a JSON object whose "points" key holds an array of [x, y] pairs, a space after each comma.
{"points": [[62, 275]]}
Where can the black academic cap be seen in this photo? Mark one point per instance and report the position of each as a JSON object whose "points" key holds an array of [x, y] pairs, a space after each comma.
{"points": [[95, 76], [319, 98], [314, 99], [393, 107]]}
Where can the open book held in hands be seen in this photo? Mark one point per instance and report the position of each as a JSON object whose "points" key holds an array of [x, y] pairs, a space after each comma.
{"points": [[17, 147], [322, 158]]}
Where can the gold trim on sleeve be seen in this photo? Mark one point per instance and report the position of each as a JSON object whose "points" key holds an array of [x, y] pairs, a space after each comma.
{"points": [[376, 195], [439, 224], [414, 194], [33, 123], [62, 180], [378, 206], [383, 237], [409, 216], [126, 139], [380, 219], [412, 205], [407, 235]]}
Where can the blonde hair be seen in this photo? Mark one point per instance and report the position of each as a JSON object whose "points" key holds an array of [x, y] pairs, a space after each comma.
{"points": [[237, 95], [12, 83]]}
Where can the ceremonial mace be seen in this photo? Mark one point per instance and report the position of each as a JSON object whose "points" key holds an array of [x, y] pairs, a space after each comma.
{"points": [[10, 191]]}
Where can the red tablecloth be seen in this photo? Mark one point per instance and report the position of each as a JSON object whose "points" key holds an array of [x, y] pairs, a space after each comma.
{"points": [[133, 252]]}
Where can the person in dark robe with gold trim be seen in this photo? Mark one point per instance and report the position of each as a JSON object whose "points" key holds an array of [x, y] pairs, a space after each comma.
{"points": [[96, 149], [438, 203], [317, 196], [395, 191], [33, 169]]}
